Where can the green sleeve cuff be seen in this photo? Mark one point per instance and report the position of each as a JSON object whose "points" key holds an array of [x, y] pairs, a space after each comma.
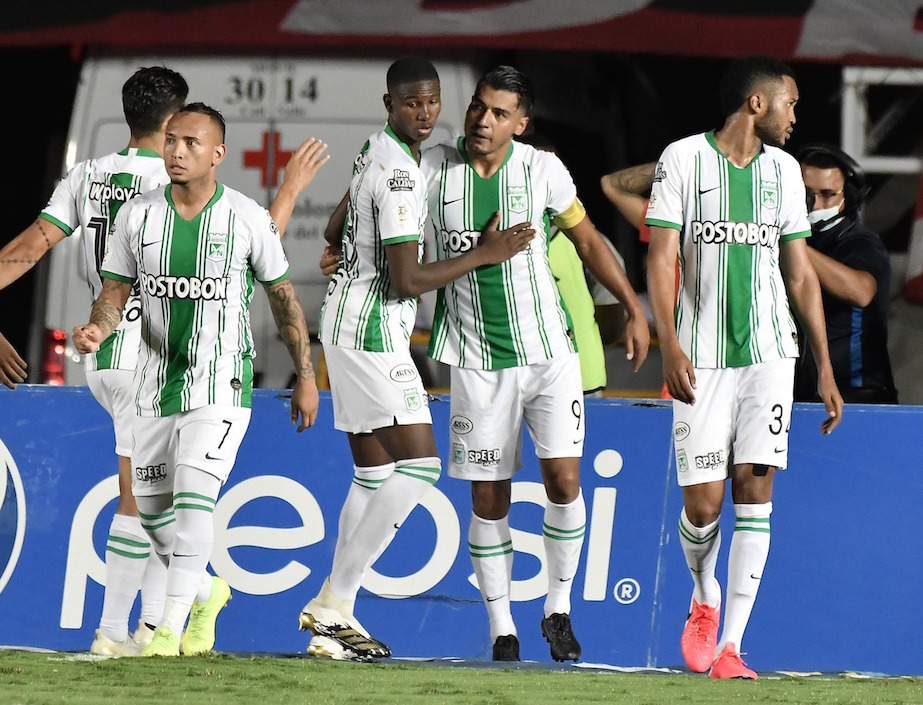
{"points": [[54, 221], [663, 224], [401, 238], [796, 236], [276, 280], [117, 277]]}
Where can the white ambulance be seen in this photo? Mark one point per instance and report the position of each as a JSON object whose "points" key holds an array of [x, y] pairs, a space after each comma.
{"points": [[271, 105]]}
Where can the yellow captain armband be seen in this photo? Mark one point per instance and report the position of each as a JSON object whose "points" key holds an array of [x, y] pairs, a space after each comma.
{"points": [[569, 218]]}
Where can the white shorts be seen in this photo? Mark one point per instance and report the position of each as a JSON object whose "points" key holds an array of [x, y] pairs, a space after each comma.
{"points": [[489, 406], [373, 390], [115, 392], [206, 438], [741, 415]]}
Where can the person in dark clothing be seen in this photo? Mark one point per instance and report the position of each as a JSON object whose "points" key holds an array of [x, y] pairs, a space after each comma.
{"points": [[854, 271]]}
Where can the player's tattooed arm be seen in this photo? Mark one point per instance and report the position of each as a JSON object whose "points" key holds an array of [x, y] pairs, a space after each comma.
{"points": [[108, 307], [104, 317], [21, 253], [626, 190], [289, 318]]}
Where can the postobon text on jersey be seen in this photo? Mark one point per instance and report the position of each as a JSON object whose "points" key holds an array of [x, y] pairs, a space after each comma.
{"points": [[170, 287], [733, 232]]}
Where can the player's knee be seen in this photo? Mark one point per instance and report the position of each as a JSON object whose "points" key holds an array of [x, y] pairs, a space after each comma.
{"points": [[562, 489], [702, 514], [491, 500]]}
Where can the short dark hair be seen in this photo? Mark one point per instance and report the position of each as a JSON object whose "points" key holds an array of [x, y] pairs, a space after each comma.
{"points": [[743, 76], [202, 109], [410, 69], [150, 96], [507, 78]]}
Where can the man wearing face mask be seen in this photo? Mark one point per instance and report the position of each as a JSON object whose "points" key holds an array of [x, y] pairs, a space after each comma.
{"points": [[854, 271]]}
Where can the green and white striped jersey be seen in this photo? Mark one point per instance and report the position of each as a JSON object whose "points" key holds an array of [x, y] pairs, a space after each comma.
{"points": [[509, 314], [732, 309], [86, 202], [196, 281], [387, 205]]}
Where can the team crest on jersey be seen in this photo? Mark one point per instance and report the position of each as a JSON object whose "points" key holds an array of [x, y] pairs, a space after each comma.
{"points": [[682, 463], [401, 181], [769, 194], [216, 246], [516, 199]]}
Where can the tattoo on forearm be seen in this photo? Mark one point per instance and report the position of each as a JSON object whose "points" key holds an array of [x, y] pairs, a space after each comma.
{"points": [[107, 311], [636, 179], [289, 317], [30, 261], [38, 221], [105, 316]]}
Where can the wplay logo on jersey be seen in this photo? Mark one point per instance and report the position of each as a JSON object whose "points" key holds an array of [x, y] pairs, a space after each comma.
{"points": [[12, 515]]}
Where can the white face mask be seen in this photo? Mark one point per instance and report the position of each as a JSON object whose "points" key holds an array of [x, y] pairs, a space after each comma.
{"points": [[822, 214]]}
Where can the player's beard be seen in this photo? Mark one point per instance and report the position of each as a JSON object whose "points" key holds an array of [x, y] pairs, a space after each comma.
{"points": [[770, 130]]}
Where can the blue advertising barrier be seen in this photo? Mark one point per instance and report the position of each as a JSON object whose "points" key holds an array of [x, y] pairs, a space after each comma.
{"points": [[839, 591]]}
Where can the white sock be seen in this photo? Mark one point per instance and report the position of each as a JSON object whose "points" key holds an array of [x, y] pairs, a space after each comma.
{"points": [[562, 533], [159, 523], [700, 546], [153, 590], [749, 550], [387, 509], [365, 481], [194, 496], [491, 548], [127, 552]]}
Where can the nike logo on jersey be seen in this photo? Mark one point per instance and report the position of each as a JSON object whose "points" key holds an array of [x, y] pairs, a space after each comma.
{"points": [[153, 242], [494, 599], [209, 456], [706, 190], [454, 200]]}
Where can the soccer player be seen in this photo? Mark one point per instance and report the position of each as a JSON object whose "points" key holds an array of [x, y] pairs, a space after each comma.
{"points": [[194, 247], [510, 345], [87, 201], [732, 204], [366, 320]]}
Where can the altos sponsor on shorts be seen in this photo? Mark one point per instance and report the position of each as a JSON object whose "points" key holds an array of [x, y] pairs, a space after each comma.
{"points": [[404, 373], [170, 287], [461, 425]]}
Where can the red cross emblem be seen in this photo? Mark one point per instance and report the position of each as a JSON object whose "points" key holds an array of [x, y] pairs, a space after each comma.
{"points": [[270, 160]]}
